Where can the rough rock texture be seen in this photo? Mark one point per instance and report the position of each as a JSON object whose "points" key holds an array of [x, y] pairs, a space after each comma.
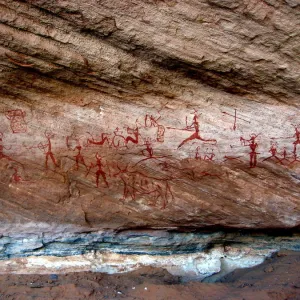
{"points": [[118, 114], [196, 256], [148, 114], [283, 282]]}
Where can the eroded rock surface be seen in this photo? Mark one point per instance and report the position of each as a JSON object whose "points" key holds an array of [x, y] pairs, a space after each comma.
{"points": [[146, 114], [150, 113], [191, 256]]}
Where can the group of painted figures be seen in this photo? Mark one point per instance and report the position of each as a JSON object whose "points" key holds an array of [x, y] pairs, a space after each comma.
{"points": [[135, 182]]}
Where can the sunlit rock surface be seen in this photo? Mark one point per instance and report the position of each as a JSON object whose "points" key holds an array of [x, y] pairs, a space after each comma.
{"points": [[148, 114]]}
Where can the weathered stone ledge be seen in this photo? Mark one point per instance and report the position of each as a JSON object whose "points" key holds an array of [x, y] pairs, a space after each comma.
{"points": [[196, 255]]}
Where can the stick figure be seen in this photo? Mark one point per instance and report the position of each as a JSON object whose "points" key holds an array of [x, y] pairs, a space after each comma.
{"points": [[100, 171], [148, 152], [284, 156], [253, 146], [296, 143], [196, 135], [273, 151], [49, 135], [209, 155], [79, 158], [197, 154]]}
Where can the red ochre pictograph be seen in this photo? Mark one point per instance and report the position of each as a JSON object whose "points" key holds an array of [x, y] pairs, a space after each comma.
{"points": [[17, 120], [47, 148], [208, 155], [104, 139], [148, 152], [296, 143], [193, 127], [284, 154], [232, 158], [273, 151], [17, 178], [79, 159], [253, 145], [99, 172], [234, 127], [151, 121], [137, 185]]}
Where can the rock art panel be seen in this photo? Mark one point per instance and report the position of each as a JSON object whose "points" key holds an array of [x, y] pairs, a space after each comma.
{"points": [[180, 118]]}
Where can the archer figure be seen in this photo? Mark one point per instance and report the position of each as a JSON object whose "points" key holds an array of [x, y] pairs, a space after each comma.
{"points": [[49, 135], [151, 121], [99, 171], [194, 127], [253, 146]]}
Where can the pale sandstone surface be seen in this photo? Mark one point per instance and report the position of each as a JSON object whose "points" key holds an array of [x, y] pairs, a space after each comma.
{"points": [[186, 111]]}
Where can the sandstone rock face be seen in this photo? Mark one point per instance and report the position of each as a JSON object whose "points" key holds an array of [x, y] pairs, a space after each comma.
{"points": [[149, 114]]}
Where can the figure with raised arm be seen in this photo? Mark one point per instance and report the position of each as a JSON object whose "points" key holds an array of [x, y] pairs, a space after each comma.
{"points": [[196, 135], [47, 148], [253, 146]]}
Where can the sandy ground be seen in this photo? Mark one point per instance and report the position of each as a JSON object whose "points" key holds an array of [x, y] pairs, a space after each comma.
{"points": [[278, 278]]}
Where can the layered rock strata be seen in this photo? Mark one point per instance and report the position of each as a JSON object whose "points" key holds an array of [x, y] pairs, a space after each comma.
{"points": [[198, 255], [119, 115]]}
